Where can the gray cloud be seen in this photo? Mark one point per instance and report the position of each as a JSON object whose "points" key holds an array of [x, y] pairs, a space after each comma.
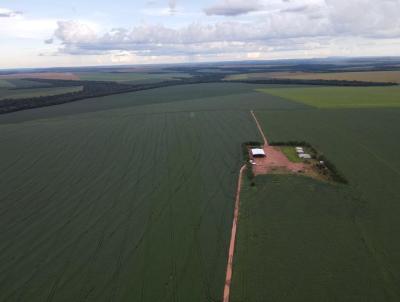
{"points": [[172, 6], [233, 8]]}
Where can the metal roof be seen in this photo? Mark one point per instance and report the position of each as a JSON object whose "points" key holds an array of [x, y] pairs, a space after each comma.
{"points": [[257, 152]]}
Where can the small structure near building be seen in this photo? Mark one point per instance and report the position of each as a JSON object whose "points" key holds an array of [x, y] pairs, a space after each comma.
{"points": [[258, 152], [305, 156]]}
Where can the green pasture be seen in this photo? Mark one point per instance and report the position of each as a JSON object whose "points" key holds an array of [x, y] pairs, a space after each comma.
{"points": [[341, 97], [291, 154]]}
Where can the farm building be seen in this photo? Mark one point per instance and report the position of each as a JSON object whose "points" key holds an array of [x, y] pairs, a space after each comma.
{"points": [[258, 152]]}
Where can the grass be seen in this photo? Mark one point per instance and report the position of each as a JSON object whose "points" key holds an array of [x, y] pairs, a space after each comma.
{"points": [[291, 154], [341, 97], [36, 92]]}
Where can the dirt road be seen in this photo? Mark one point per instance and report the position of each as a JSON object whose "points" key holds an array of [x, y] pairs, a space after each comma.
{"points": [[229, 267]]}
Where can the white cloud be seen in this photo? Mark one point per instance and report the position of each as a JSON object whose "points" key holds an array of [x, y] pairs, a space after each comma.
{"points": [[8, 13], [271, 29], [282, 24]]}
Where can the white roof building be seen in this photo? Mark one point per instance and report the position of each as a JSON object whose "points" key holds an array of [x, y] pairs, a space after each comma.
{"points": [[305, 156], [258, 152]]}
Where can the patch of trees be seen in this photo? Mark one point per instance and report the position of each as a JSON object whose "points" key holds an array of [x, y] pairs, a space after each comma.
{"points": [[334, 173]]}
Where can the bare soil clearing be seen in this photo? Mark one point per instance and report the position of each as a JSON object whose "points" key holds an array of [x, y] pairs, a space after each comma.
{"points": [[276, 162]]}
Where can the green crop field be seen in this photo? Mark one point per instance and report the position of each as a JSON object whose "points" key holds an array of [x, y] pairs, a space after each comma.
{"points": [[129, 76], [35, 92], [130, 198], [300, 240], [131, 202], [341, 97]]}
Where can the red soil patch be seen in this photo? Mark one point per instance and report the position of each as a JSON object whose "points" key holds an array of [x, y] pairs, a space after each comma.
{"points": [[275, 162], [42, 75]]}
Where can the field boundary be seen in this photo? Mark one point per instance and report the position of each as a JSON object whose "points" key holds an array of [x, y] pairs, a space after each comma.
{"points": [[229, 268]]}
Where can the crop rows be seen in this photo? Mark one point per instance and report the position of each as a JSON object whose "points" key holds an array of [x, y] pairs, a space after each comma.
{"points": [[120, 208]]}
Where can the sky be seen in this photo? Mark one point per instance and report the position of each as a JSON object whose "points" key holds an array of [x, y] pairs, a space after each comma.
{"points": [[49, 33]]}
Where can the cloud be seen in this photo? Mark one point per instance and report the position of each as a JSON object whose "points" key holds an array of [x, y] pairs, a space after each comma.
{"points": [[233, 7], [172, 6], [7, 13], [296, 25]]}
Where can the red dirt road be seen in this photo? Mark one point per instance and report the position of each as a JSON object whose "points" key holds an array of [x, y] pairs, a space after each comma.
{"points": [[274, 162], [259, 127], [229, 267]]}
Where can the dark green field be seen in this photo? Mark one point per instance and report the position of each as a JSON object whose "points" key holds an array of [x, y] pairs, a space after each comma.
{"points": [[300, 240], [130, 201], [130, 198]]}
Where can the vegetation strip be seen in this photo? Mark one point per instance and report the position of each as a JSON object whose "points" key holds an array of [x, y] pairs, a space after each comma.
{"points": [[231, 253]]}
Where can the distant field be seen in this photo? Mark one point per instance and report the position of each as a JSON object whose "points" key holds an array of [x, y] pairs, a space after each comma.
{"points": [[128, 76], [366, 76], [19, 83], [36, 92], [5, 84], [341, 97], [41, 75]]}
